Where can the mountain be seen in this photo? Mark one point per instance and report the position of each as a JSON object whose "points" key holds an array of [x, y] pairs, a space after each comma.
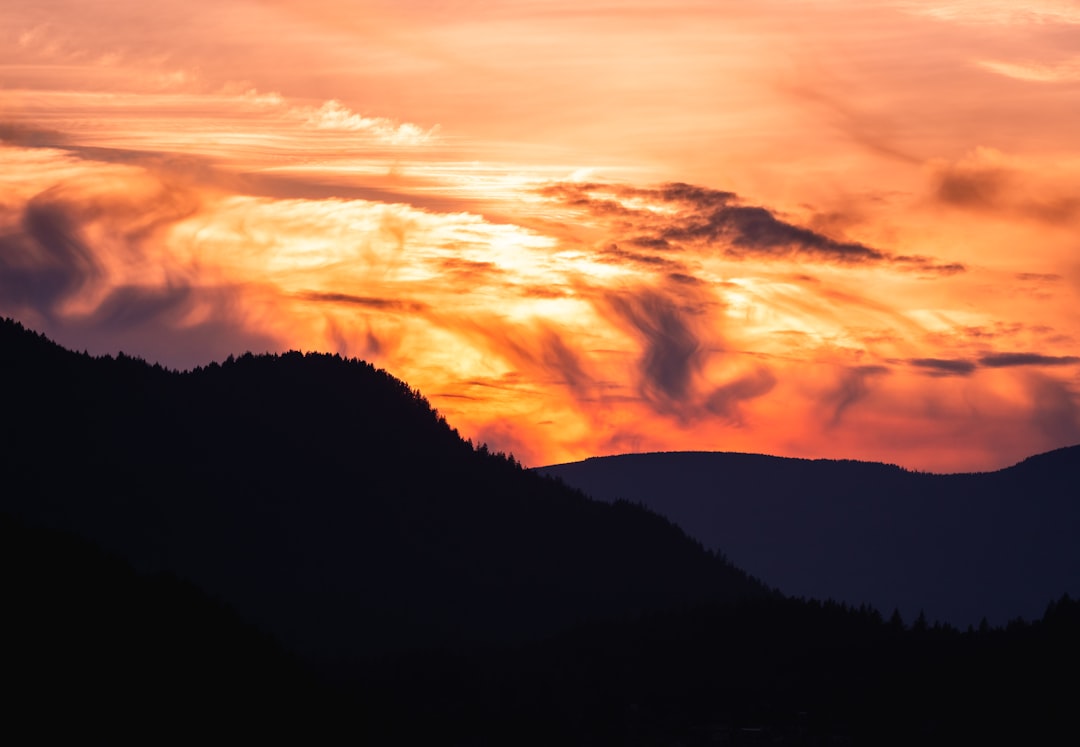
{"points": [[93, 651], [959, 547], [325, 502], [297, 548]]}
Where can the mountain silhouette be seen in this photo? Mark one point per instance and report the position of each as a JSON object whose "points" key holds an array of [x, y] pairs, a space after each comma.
{"points": [[296, 548], [326, 502], [93, 651], [957, 547]]}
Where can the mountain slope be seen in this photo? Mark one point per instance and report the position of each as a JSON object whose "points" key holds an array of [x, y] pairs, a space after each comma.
{"points": [[957, 546], [92, 651], [325, 501]]}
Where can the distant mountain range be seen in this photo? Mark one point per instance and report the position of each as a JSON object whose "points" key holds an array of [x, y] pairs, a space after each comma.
{"points": [[958, 547]]}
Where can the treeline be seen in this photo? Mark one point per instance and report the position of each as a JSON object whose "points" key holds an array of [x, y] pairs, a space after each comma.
{"points": [[769, 671]]}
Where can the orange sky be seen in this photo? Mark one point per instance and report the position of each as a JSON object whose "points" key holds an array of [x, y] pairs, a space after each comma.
{"points": [[826, 229]]}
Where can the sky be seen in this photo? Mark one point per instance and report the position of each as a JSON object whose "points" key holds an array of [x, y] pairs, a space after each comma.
{"points": [[813, 229]]}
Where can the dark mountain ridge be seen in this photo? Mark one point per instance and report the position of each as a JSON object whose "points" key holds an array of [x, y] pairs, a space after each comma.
{"points": [[959, 547], [326, 502]]}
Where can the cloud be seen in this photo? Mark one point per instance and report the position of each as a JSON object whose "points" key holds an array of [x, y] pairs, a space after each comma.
{"points": [[28, 136], [559, 357], [370, 302], [333, 115], [671, 352], [539, 350], [964, 367], [944, 366], [89, 259], [1054, 412], [651, 260], [208, 171], [756, 231], [683, 278], [132, 306], [48, 260], [675, 216], [724, 401], [1008, 360], [973, 187], [998, 12], [988, 181], [1064, 71], [703, 197], [543, 349], [852, 388]]}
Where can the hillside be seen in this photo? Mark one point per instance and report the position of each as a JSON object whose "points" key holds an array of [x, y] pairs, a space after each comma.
{"points": [[93, 651], [959, 547], [325, 502]]}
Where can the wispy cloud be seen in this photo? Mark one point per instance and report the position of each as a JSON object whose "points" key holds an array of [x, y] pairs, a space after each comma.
{"points": [[1008, 360], [944, 366], [1065, 71]]}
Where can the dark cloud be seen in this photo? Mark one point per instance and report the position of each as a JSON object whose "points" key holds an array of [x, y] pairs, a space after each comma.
{"points": [[25, 136], [964, 367], [1055, 411], [684, 279], [46, 259], [579, 195], [671, 353], [613, 251], [755, 230], [131, 306], [154, 323], [700, 196], [1039, 277], [990, 188], [559, 357], [852, 387], [926, 264], [1006, 360], [705, 216], [724, 401], [979, 189], [370, 302], [650, 242], [540, 350], [944, 366]]}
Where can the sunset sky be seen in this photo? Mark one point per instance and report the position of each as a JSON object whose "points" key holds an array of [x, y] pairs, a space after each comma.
{"points": [[818, 229]]}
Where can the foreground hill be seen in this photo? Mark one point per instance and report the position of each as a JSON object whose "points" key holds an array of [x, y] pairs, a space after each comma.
{"points": [[325, 502], [93, 652], [959, 547]]}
